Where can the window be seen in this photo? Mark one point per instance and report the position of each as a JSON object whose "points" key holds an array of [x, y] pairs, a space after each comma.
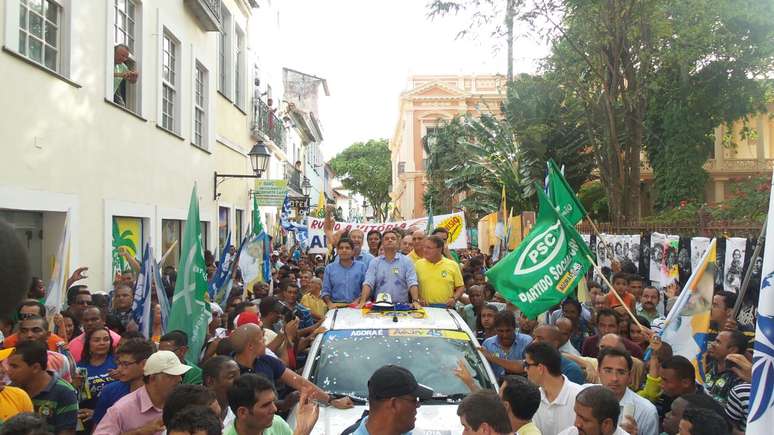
{"points": [[124, 26], [169, 83], [40, 24], [401, 167], [171, 230], [224, 50], [239, 69], [200, 106], [125, 30]]}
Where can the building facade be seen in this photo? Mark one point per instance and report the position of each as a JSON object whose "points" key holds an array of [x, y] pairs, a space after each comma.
{"points": [[122, 156], [428, 101], [734, 156]]}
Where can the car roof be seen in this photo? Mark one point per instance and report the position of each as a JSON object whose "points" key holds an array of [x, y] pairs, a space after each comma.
{"points": [[351, 318]]}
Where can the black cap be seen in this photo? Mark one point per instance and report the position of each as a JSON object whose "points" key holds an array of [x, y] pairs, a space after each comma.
{"points": [[393, 381]]}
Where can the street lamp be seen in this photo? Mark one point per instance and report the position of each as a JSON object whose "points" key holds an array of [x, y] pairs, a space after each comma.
{"points": [[259, 159], [306, 189]]}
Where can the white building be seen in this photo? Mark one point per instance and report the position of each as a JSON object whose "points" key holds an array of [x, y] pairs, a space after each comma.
{"points": [[69, 147]]}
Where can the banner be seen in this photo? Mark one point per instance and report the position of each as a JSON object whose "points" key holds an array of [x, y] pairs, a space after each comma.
{"points": [[55, 293], [735, 253], [454, 222], [547, 265], [127, 233], [688, 321], [270, 193], [760, 419]]}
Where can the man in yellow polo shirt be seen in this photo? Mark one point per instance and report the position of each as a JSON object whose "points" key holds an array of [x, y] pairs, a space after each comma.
{"points": [[440, 279], [418, 239]]}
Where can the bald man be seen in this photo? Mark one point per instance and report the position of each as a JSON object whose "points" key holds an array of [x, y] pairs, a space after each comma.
{"points": [[590, 364], [417, 238], [550, 334], [250, 354], [407, 244], [565, 330]]}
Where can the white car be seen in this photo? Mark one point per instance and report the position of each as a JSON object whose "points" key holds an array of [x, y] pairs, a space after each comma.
{"points": [[431, 345]]}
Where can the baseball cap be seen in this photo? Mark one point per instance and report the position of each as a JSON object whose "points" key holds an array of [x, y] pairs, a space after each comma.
{"points": [[164, 361], [246, 317], [393, 381]]}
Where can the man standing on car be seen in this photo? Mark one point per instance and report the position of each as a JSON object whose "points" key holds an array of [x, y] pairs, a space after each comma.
{"points": [[393, 398], [392, 273]]}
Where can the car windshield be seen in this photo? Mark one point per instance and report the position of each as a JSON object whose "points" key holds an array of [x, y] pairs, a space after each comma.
{"points": [[348, 358]]}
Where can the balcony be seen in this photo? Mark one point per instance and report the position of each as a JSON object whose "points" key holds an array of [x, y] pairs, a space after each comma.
{"points": [[714, 166], [268, 124], [207, 13], [294, 177]]}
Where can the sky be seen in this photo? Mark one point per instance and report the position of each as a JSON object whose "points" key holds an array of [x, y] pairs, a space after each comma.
{"points": [[367, 49]]}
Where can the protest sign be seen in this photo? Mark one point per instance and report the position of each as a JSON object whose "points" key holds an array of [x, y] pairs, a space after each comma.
{"points": [[454, 223], [270, 193]]}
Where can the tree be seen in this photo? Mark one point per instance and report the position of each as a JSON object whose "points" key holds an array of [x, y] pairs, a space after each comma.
{"points": [[483, 13], [364, 167], [445, 153]]}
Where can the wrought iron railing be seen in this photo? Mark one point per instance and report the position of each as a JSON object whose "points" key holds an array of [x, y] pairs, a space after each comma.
{"points": [[293, 176], [269, 124]]}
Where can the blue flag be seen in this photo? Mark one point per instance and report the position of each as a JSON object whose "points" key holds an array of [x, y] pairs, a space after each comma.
{"points": [[288, 225], [141, 307], [222, 273]]}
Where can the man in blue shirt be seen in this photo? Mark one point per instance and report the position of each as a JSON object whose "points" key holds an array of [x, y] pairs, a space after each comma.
{"points": [[393, 399], [343, 278], [505, 351], [391, 273], [363, 256]]}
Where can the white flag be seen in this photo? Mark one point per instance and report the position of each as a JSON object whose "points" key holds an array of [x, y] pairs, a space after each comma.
{"points": [[55, 293]]}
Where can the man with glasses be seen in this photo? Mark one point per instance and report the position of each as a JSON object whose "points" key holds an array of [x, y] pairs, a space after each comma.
{"points": [[32, 308], [93, 318], [130, 361], [615, 368], [543, 365], [393, 397]]}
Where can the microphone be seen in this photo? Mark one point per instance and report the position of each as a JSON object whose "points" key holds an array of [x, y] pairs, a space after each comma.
{"points": [[14, 269]]}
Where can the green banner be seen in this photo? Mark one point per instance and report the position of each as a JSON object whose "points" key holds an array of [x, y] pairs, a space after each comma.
{"points": [[190, 311], [562, 196], [546, 266], [271, 193]]}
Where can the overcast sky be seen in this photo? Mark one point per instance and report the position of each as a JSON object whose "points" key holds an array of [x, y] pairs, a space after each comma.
{"points": [[367, 49]]}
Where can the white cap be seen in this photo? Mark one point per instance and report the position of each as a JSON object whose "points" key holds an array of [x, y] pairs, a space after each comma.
{"points": [[165, 361]]}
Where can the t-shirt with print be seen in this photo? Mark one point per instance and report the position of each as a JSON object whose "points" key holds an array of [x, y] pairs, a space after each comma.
{"points": [[13, 401], [58, 403], [97, 378]]}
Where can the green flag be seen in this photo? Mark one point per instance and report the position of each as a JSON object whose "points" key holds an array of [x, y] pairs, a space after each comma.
{"points": [[190, 311], [257, 225], [562, 196], [545, 267]]}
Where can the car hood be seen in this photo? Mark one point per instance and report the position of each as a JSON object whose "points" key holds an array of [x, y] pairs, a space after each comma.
{"points": [[431, 419]]}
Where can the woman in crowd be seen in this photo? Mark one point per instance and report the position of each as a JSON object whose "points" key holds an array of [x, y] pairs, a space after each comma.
{"points": [[98, 363], [635, 333]]}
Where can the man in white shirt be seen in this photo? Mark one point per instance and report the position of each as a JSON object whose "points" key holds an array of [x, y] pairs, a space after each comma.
{"points": [[597, 413], [615, 368], [543, 365]]}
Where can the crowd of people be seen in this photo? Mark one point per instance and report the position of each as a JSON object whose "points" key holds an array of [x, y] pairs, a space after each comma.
{"points": [[578, 368]]}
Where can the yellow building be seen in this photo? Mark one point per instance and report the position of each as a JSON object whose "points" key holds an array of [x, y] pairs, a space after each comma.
{"points": [[429, 100], [733, 156]]}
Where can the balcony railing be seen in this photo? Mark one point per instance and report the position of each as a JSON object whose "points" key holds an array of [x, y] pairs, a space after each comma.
{"points": [[269, 124], [726, 165], [293, 176], [207, 12]]}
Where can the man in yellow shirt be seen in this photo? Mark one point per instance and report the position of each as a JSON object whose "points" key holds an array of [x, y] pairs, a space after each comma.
{"points": [[313, 300], [440, 279], [12, 400], [418, 239]]}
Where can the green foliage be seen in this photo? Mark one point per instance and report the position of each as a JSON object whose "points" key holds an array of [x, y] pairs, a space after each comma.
{"points": [[364, 167], [748, 202], [592, 196], [445, 154], [707, 76]]}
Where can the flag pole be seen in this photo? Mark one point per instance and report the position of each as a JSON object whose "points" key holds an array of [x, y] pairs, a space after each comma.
{"points": [[596, 230], [169, 251], [615, 293], [748, 275]]}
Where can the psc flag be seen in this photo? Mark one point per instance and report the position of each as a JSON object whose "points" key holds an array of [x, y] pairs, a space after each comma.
{"points": [[190, 312], [760, 419], [546, 266], [141, 307], [561, 195], [55, 293], [687, 323]]}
